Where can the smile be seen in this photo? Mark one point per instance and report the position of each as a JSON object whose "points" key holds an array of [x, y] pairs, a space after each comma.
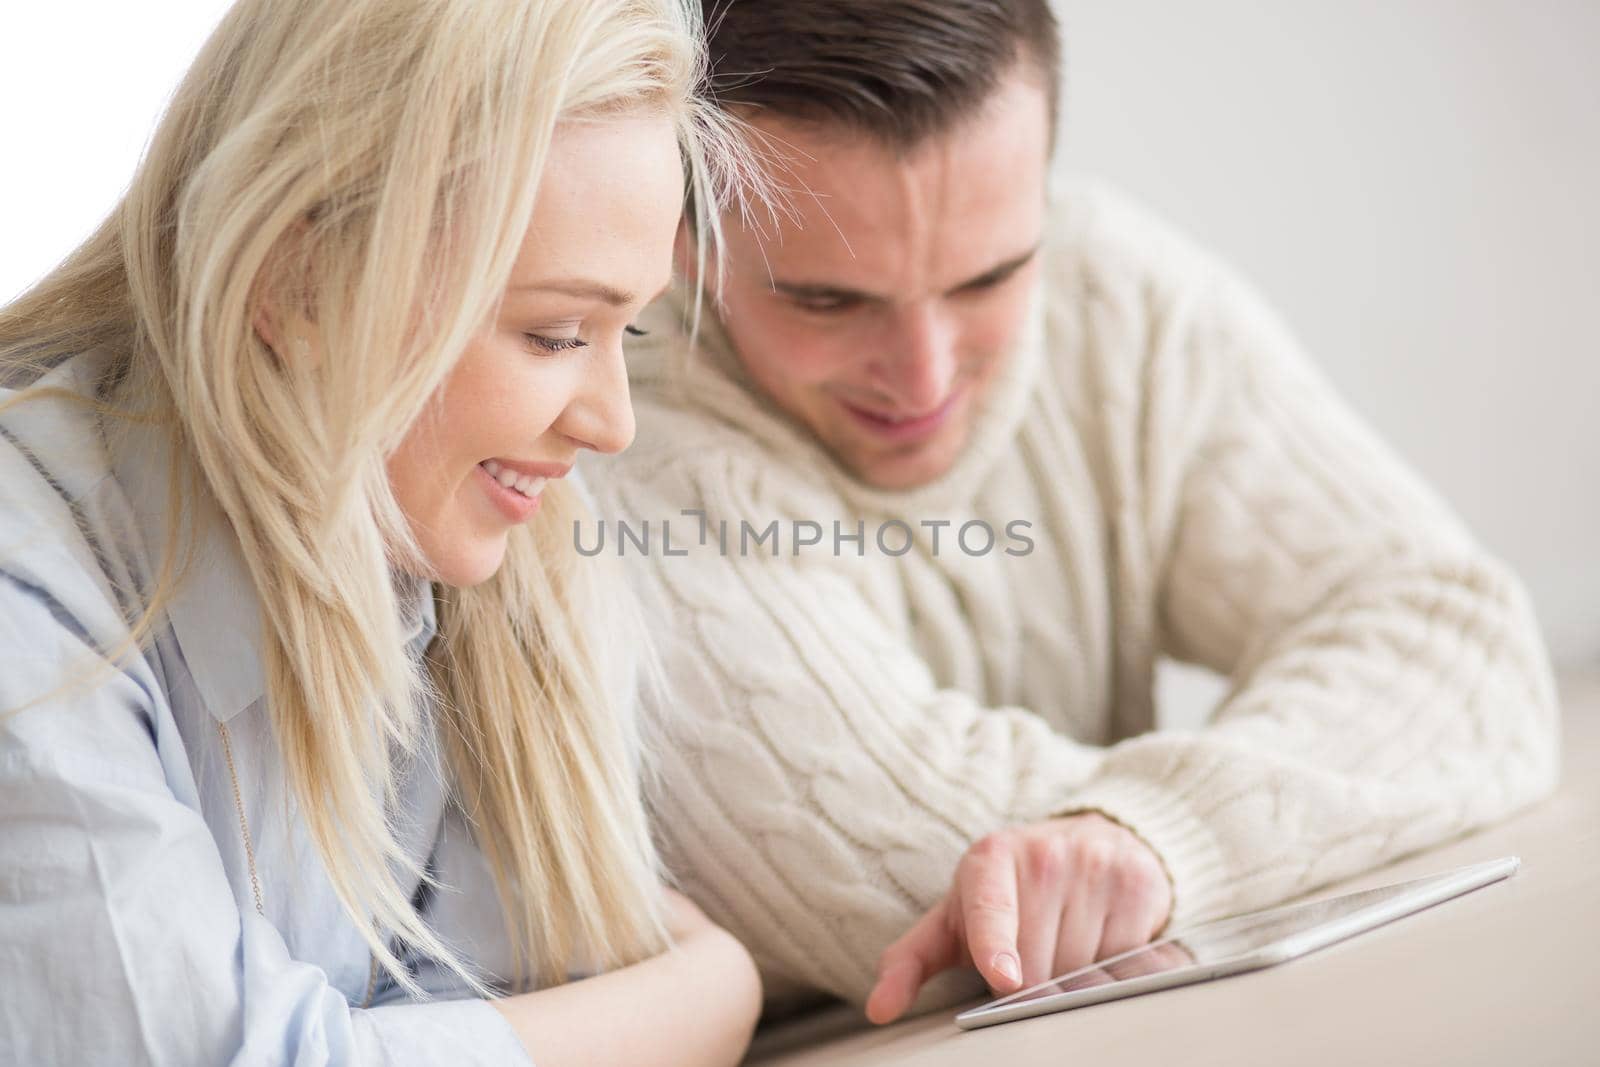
{"points": [[529, 485], [902, 428], [514, 490]]}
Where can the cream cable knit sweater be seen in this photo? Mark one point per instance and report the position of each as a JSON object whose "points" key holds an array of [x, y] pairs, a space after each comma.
{"points": [[843, 727]]}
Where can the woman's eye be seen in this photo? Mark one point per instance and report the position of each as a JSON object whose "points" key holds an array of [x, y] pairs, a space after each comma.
{"points": [[634, 331], [556, 344]]}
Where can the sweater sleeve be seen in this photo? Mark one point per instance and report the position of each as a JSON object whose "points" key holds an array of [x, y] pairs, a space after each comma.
{"points": [[816, 786], [1389, 688]]}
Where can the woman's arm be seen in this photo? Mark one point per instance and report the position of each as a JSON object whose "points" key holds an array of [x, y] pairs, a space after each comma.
{"points": [[695, 1004], [123, 939], [124, 943]]}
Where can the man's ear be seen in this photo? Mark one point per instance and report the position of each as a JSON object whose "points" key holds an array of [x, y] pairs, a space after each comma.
{"points": [[685, 253]]}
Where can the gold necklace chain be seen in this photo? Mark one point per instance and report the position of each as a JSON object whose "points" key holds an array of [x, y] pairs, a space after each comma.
{"points": [[250, 856]]}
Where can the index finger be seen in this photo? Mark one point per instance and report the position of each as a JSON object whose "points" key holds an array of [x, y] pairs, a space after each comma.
{"points": [[986, 889]]}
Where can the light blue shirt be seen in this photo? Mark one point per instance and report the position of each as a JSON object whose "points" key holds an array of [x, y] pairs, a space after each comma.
{"points": [[129, 923]]}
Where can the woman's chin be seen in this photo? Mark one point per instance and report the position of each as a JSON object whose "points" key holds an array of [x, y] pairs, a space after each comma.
{"points": [[468, 565]]}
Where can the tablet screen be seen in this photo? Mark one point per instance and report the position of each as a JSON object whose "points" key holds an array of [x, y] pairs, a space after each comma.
{"points": [[1207, 947]]}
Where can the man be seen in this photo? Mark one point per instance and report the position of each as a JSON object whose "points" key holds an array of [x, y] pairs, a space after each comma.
{"points": [[954, 461]]}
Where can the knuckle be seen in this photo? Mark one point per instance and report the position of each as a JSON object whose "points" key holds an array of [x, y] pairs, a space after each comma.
{"points": [[990, 846], [1145, 883], [1094, 857], [990, 900], [1136, 879], [1048, 859]]}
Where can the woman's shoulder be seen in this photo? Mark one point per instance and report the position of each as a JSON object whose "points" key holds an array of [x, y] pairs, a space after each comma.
{"points": [[62, 538], [50, 421]]}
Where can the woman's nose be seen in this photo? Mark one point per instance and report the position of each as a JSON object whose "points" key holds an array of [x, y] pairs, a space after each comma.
{"points": [[600, 415]]}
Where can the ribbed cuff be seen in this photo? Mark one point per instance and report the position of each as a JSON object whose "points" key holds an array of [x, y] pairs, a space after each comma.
{"points": [[1186, 847]]}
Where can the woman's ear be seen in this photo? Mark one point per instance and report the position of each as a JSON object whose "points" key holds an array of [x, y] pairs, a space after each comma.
{"points": [[266, 326], [281, 321], [290, 336]]}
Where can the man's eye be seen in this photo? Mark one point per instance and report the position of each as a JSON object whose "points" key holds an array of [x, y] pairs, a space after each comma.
{"points": [[827, 305], [556, 344], [984, 285]]}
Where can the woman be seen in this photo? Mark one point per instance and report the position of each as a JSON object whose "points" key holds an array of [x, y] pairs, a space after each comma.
{"points": [[310, 752]]}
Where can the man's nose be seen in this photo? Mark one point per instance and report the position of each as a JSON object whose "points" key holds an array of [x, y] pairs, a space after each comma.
{"points": [[600, 414], [922, 366]]}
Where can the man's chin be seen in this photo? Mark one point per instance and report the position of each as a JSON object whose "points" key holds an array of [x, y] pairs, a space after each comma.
{"points": [[903, 469]]}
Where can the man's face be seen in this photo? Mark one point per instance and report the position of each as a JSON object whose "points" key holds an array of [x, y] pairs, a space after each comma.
{"points": [[882, 312]]}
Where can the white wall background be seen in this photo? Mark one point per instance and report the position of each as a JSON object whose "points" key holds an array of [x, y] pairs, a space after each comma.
{"points": [[1415, 184], [82, 83]]}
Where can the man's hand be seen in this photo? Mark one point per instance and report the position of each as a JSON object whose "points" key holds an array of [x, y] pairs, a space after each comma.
{"points": [[1030, 903]]}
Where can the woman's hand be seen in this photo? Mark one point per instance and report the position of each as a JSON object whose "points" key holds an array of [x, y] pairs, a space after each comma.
{"points": [[695, 1005], [1030, 903], [684, 917]]}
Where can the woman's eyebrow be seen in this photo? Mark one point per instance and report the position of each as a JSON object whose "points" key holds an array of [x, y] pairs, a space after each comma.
{"points": [[580, 287]]}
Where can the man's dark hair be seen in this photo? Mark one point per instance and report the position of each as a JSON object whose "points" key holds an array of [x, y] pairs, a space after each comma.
{"points": [[900, 71]]}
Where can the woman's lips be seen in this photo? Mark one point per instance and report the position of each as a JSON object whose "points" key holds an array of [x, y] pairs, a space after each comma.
{"points": [[901, 429], [515, 494]]}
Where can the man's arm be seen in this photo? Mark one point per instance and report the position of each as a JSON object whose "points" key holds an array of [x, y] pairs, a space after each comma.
{"points": [[817, 787], [1389, 686], [1390, 689]]}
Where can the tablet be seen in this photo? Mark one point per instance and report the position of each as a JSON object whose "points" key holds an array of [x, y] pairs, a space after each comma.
{"points": [[1233, 946]]}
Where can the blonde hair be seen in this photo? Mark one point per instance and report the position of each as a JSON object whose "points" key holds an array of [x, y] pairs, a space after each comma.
{"points": [[374, 163]]}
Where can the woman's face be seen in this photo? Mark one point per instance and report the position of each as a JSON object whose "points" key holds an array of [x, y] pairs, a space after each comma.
{"points": [[545, 378]]}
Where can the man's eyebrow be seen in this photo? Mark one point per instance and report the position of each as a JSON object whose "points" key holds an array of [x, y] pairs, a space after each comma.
{"points": [[833, 293], [821, 293], [998, 272], [582, 288]]}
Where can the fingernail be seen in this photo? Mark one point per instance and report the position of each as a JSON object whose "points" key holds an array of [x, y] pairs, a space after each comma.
{"points": [[1006, 964]]}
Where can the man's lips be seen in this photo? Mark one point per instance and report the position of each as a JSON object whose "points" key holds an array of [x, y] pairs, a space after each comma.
{"points": [[900, 427]]}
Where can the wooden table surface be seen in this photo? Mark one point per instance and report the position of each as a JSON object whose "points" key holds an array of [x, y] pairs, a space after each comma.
{"points": [[1506, 975]]}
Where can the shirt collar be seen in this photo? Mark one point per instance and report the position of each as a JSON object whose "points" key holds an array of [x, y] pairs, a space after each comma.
{"points": [[417, 613], [214, 611]]}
